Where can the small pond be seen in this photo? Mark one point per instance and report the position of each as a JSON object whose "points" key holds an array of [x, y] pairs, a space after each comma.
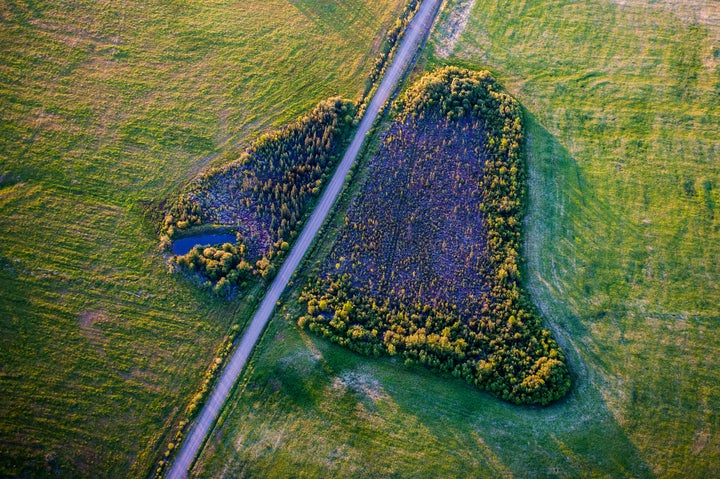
{"points": [[183, 245]]}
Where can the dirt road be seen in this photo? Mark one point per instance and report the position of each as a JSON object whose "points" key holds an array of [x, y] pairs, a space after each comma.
{"points": [[411, 42]]}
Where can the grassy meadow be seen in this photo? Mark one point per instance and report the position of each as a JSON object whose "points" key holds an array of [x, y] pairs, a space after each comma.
{"points": [[106, 109], [623, 257]]}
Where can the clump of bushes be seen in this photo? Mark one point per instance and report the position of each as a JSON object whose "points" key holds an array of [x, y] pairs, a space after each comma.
{"points": [[223, 267], [391, 40]]}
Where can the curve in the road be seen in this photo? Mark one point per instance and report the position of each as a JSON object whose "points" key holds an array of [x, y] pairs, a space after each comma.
{"points": [[410, 44]]}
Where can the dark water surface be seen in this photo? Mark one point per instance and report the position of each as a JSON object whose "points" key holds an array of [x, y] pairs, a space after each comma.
{"points": [[183, 245]]}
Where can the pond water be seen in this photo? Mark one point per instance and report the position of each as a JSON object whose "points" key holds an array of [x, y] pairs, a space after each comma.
{"points": [[183, 245]]}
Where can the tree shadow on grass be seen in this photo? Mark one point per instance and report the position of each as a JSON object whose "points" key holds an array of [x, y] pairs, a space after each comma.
{"points": [[416, 423], [562, 267], [445, 417]]}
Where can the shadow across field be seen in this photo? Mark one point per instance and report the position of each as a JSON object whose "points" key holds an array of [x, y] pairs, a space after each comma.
{"points": [[546, 168], [623, 355]]}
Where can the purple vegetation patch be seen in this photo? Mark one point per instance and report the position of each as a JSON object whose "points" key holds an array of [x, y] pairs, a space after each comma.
{"points": [[415, 230]]}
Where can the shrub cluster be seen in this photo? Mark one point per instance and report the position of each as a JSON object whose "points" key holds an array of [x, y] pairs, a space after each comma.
{"points": [[224, 267], [492, 337], [391, 39]]}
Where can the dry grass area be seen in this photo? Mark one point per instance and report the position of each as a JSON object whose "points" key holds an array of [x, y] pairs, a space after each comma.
{"points": [[453, 26]]}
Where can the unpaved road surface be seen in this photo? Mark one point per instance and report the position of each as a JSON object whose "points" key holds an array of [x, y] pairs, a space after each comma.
{"points": [[414, 37]]}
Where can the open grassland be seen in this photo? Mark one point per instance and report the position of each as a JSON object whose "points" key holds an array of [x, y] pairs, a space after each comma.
{"points": [[623, 250], [309, 408], [106, 107]]}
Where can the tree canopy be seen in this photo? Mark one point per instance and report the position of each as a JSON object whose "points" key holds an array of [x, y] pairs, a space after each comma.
{"points": [[427, 267]]}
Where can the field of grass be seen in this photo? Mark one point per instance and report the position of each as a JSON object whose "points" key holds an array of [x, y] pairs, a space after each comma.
{"points": [[309, 408], [623, 257], [106, 108]]}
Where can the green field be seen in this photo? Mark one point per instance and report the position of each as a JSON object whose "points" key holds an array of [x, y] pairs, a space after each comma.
{"points": [[107, 108], [624, 230], [623, 257]]}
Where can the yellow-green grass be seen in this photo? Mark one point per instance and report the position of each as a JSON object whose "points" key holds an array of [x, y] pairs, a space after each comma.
{"points": [[623, 259], [105, 108], [308, 408]]}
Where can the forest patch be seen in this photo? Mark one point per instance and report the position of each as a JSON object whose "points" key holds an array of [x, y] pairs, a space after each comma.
{"points": [[427, 266], [263, 196]]}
